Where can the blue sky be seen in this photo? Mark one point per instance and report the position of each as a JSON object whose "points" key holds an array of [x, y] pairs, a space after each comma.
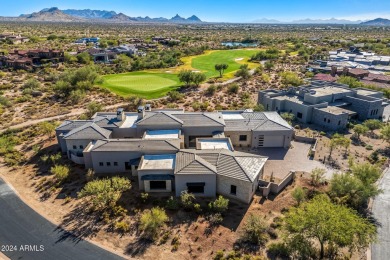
{"points": [[217, 10]]}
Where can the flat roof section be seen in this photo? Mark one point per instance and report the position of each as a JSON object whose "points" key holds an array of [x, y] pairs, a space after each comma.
{"points": [[158, 162], [162, 134], [325, 91], [232, 116], [366, 92], [292, 98], [210, 144], [337, 110], [129, 121]]}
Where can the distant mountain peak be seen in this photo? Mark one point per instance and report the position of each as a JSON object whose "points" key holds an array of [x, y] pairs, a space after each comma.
{"points": [[194, 18], [377, 22]]}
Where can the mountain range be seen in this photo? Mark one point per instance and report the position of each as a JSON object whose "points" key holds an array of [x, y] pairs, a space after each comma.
{"points": [[72, 15], [377, 22], [308, 21]]}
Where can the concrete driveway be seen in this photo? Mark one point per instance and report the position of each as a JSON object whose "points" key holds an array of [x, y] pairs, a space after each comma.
{"points": [[381, 212], [281, 161], [24, 234]]}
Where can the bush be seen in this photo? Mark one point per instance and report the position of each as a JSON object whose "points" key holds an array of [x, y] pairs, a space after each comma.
{"points": [[220, 205], [211, 90], [122, 226], [144, 197], [187, 199], [151, 221], [276, 250], [61, 172], [197, 208], [233, 89], [215, 219], [172, 203], [254, 230]]}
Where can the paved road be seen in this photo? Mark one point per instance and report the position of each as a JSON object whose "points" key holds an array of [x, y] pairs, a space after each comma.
{"points": [[20, 225], [381, 211]]}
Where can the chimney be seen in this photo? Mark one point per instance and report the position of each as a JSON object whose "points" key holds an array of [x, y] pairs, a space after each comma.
{"points": [[141, 112], [333, 71], [148, 108], [120, 114]]}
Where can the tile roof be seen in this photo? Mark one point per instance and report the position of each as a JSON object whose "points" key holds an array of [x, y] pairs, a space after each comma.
{"points": [[161, 118], [88, 131], [201, 119], [190, 163], [140, 145], [261, 121], [237, 165], [68, 125]]}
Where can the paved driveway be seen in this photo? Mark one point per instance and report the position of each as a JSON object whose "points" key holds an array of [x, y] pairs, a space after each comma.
{"points": [[281, 161], [24, 234], [381, 211]]}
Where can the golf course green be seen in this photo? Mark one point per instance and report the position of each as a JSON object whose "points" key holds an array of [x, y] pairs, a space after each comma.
{"points": [[151, 84]]}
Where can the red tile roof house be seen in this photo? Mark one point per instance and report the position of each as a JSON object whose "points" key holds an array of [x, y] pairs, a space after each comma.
{"points": [[378, 80], [325, 77], [21, 59], [358, 73]]}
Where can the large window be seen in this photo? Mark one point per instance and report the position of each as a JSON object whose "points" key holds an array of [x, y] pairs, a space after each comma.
{"points": [[196, 187], [243, 138], [158, 185]]}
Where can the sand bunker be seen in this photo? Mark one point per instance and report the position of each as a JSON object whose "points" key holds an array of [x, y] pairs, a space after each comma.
{"points": [[239, 59]]}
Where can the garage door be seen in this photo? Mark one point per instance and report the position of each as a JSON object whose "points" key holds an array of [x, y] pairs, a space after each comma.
{"points": [[271, 141]]}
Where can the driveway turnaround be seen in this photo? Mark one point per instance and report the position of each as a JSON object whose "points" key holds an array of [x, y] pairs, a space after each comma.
{"points": [[381, 209], [24, 234]]}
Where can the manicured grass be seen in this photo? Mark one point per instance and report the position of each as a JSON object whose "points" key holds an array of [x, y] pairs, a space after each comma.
{"points": [[143, 83], [234, 58], [151, 84]]}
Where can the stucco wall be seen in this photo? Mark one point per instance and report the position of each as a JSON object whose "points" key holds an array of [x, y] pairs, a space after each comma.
{"points": [[77, 143], [210, 181], [142, 184], [244, 192], [330, 121], [235, 138]]}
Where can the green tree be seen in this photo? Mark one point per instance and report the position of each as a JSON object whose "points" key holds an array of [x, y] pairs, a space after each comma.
{"points": [[93, 107], [104, 193], [350, 81], [151, 222], [198, 78], [84, 58], [254, 230], [221, 68], [329, 224], [299, 195], [360, 130], [372, 124], [185, 76]]}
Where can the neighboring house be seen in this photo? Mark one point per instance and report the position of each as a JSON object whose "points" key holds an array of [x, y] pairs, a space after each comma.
{"points": [[176, 150], [327, 104], [102, 55], [326, 77], [14, 39], [124, 49]]}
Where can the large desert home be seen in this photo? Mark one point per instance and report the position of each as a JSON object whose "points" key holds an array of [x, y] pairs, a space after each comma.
{"points": [[327, 104], [173, 150]]}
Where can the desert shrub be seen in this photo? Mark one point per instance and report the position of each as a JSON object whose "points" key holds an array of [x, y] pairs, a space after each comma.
{"points": [[254, 230], [122, 226], [233, 88], [215, 219], [144, 197], [172, 203], [104, 193], [220, 205], [187, 199], [151, 222], [197, 208], [276, 250], [61, 172], [211, 90]]}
